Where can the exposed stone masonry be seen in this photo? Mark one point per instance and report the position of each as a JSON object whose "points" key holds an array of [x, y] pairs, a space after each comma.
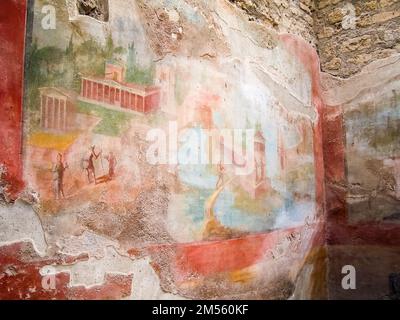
{"points": [[351, 34], [291, 16]]}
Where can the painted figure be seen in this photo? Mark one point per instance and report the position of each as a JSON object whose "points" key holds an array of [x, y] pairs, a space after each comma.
{"points": [[221, 172], [58, 176], [91, 171], [260, 170], [112, 162]]}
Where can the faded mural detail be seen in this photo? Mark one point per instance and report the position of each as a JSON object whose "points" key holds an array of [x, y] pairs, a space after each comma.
{"points": [[193, 149], [373, 164], [162, 134], [362, 135]]}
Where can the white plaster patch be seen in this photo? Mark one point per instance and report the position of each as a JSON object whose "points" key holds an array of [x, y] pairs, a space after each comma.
{"points": [[72, 9], [277, 62], [19, 223], [145, 284], [349, 16], [90, 243], [92, 272], [173, 15]]}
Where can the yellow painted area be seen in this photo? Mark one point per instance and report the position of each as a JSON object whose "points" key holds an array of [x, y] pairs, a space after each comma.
{"points": [[241, 276], [59, 142]]}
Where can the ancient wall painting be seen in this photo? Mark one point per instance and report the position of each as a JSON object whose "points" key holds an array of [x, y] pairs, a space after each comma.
{"points": [[148, 151], [372, 122]]}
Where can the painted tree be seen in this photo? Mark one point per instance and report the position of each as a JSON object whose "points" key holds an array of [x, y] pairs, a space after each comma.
{"points": [[134, 72]]}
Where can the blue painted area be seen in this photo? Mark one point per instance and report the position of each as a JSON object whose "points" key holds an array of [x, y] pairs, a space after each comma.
{"points": [[202, 182], [198, 176], [218, 119], [201, 179], [235, 218], [294, 213], [291, 214]]}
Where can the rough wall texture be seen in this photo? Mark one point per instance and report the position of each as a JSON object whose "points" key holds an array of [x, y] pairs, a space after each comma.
{"points": [[362, 203], [96, 220], [95, 205], [292, 16], [352, 34], [358, 44], [97, 9]]}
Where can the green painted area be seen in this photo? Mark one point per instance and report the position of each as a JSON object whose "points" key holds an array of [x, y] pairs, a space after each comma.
{"points": [[52, 66], [112, 123], [136, 73]]}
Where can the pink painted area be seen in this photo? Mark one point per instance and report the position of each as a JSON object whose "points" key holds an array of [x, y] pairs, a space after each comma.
{"points": [[306, 54], [227, 255], [152, 102], [208, 258], [330, 165]]}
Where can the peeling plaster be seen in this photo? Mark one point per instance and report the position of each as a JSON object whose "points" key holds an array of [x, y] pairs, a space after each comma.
{"points": [[92, 244], [146, 283], [19, 222], [93, 272], [226, 55], [339, 91]]}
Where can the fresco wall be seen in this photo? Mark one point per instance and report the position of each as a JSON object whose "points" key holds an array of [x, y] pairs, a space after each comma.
{"points": [[362, 129], [372, 129], [113, 185], [169, 143]]}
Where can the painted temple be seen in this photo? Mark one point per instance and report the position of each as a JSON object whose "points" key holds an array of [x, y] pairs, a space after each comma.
{"points": [[112, 91]]}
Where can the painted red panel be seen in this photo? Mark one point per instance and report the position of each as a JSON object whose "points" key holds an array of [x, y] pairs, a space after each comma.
{"points": [[20, 278], [12, 35], [84, 88], [132, 101], [101, 92], [213, 257], [95, 91], [124, 97]]}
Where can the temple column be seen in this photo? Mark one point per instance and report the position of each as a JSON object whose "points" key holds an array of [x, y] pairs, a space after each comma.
{"points": [[58, 114], [92, 90], [65, 113], [88, 88], [47, 113], [53, 115], [136, 106], [41, 111]]}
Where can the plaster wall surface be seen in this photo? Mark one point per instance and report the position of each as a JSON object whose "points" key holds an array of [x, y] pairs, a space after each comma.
{"points": [[86, 215]]}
